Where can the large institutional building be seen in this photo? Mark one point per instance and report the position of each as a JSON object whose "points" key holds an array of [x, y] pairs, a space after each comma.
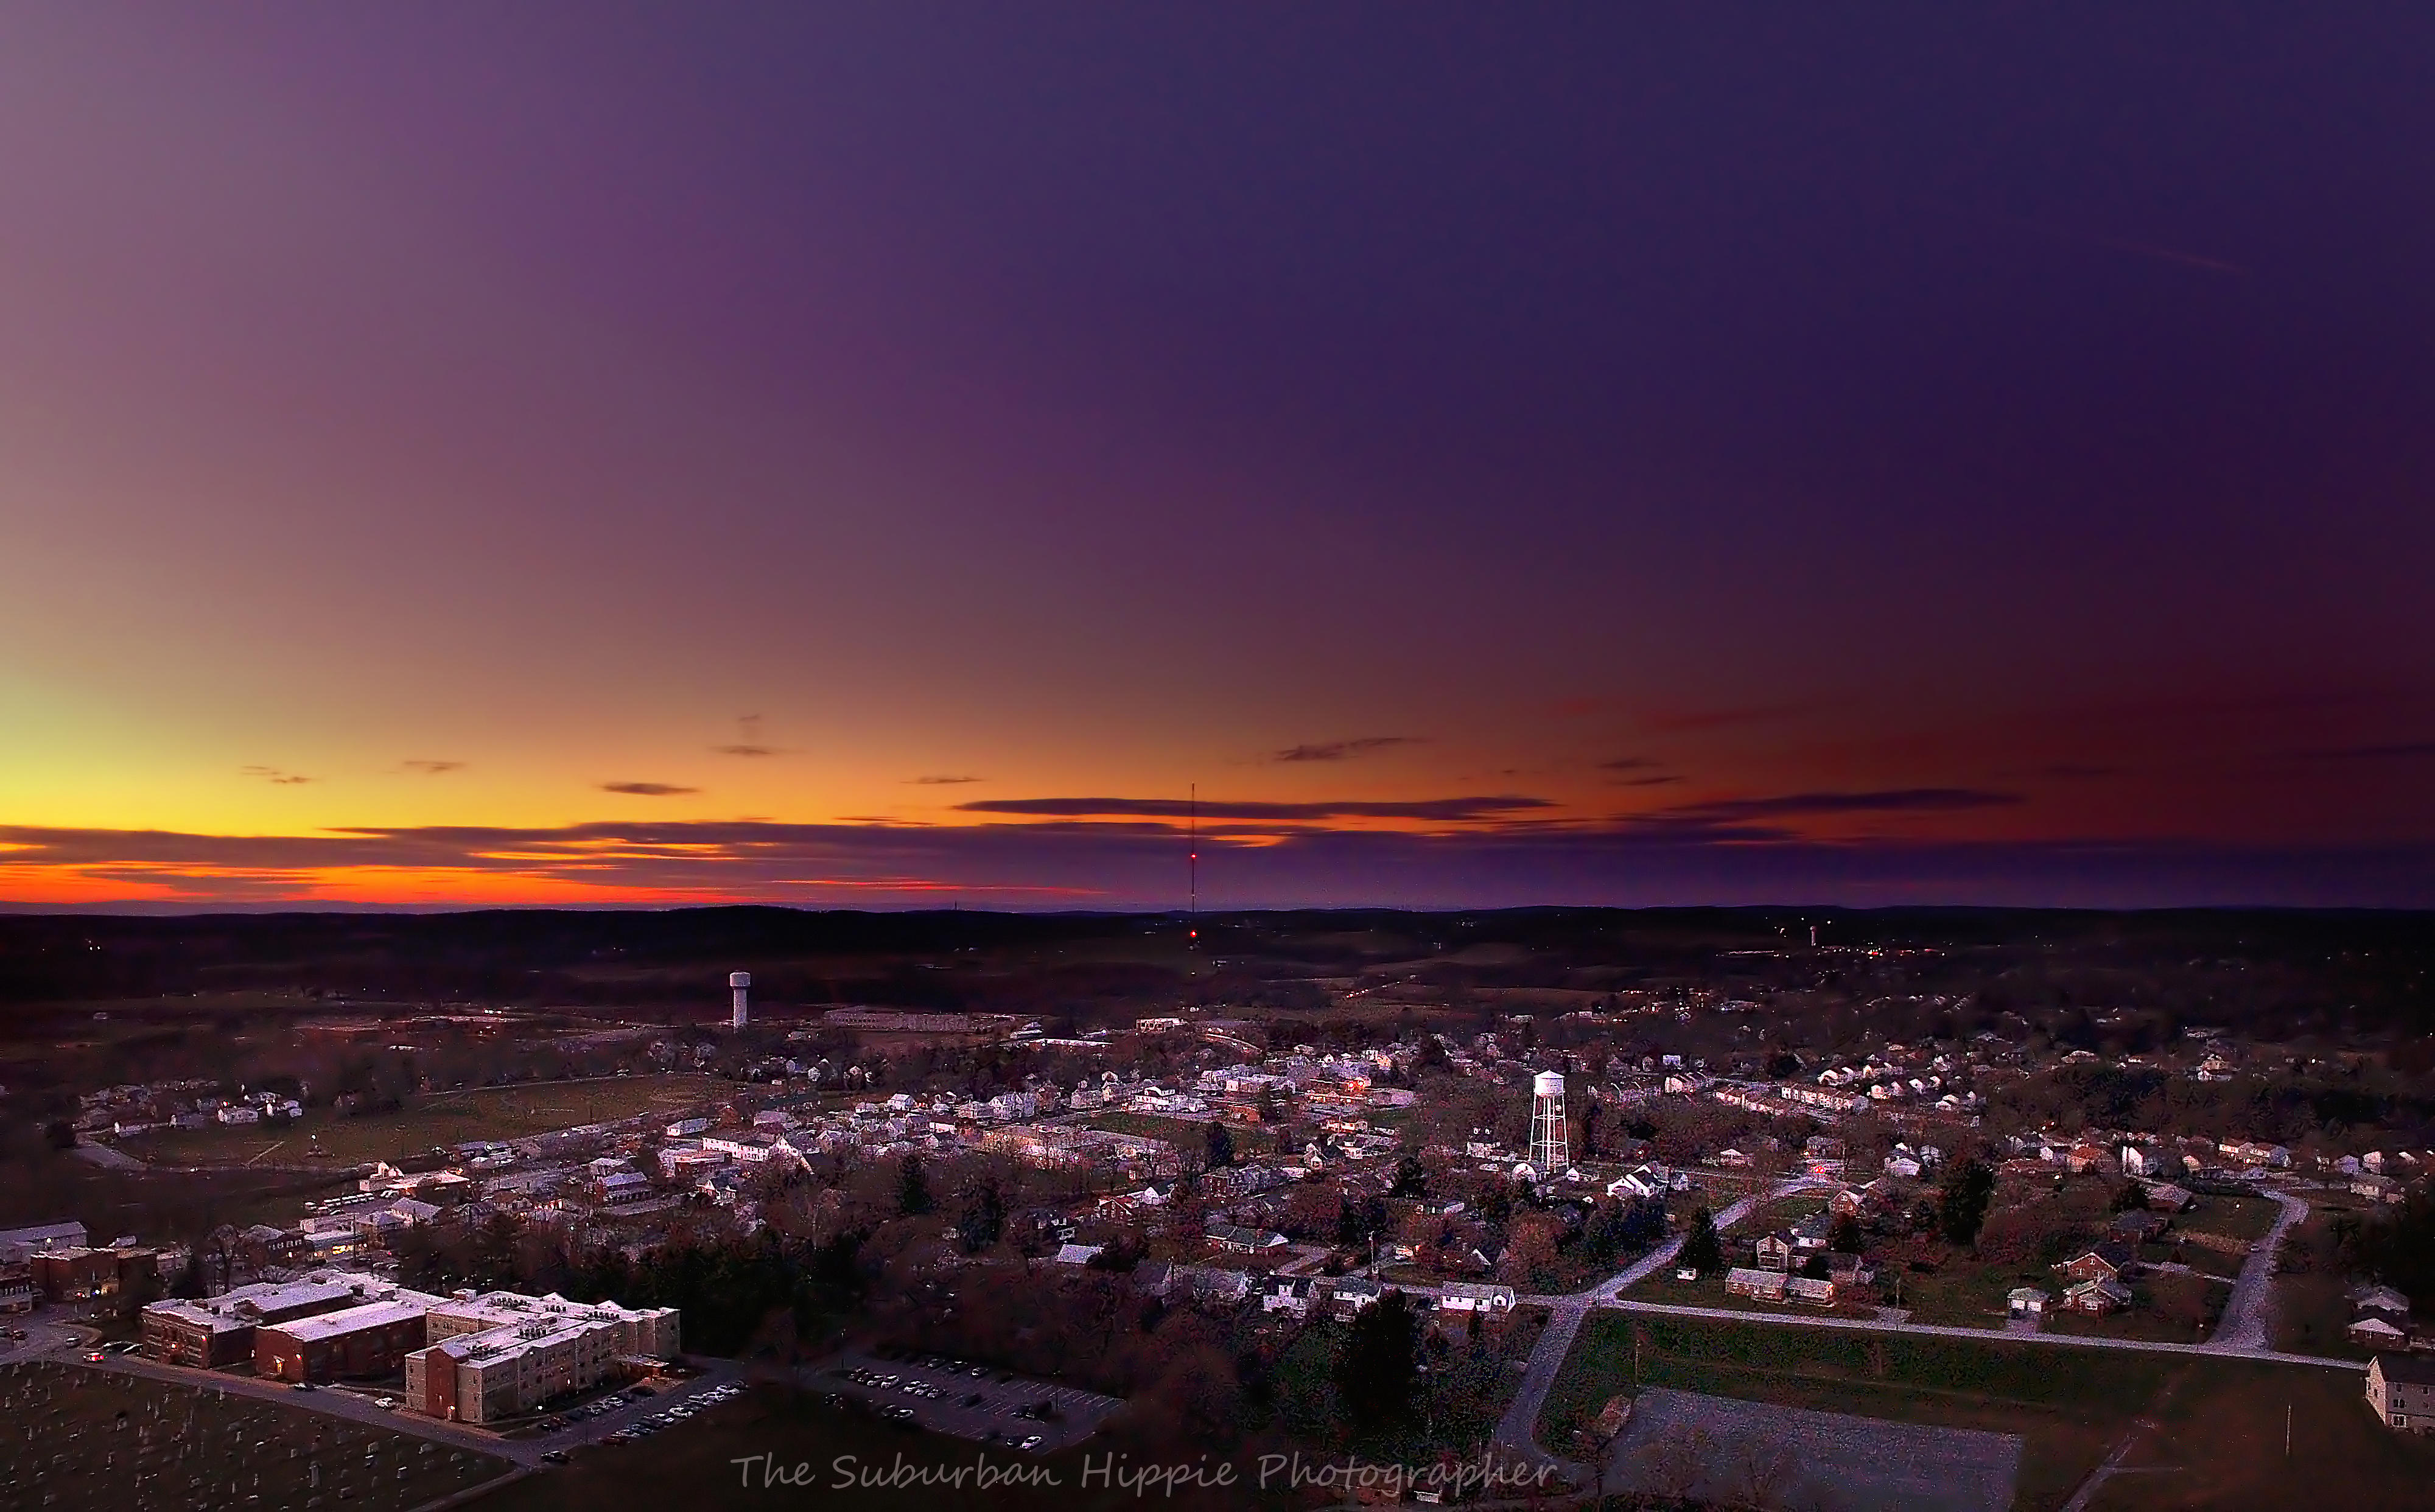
{"points": [[501, 1354], [468, 1358]]}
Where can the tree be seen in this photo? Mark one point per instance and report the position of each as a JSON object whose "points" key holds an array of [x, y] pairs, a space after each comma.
{"points": [[1962, 1204], [1701, 1249], [60, 1134], [1846, 1238], [1378, 1370], [2132, 1198], [1410, 1181], [1221, 1146], [189, 1284], [912, 1188], [983, 1220]]}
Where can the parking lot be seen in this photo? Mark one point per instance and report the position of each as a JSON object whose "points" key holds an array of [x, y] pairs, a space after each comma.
{"points": [[967, 1400]]}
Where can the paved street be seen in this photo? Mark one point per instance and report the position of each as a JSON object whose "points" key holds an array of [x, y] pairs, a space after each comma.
{"points": [[2242, 1334]]}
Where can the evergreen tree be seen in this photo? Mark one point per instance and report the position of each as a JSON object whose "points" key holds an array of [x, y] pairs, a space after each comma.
{"points": [[1701, 1249], [1221, 1146], [983, 1220], [1377, 1373], [1961, 1205], [1410, 1181], [912, 1187]]}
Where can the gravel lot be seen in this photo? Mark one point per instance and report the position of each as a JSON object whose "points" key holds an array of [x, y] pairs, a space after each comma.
{"points": [[1716, 1449]]}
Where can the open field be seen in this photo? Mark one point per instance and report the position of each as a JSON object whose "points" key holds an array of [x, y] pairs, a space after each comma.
{"points": [[2243, 1218], [1187, 1135], [2221, 1433], [694, 1466], [2067, 1405], [438, 1118], [74, 1439], [2313, 1315], [1781, 1213]]}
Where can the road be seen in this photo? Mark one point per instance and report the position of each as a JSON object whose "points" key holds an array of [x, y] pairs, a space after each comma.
{"points": [[2249, 1316], [1517, 1430], [2242, 1334]]}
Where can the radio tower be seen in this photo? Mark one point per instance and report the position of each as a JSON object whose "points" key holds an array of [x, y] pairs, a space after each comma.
{"points": [[1192, 869], [1550, 1149]]}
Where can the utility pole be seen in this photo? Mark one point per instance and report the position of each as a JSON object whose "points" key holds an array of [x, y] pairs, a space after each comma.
{"points": [[2286, 1430]]}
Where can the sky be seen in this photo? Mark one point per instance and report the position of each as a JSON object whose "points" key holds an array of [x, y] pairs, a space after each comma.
{"points": [[888, 455]]}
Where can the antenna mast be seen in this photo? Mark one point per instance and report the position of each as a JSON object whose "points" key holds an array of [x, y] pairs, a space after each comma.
{"points": [[1192, 866]]}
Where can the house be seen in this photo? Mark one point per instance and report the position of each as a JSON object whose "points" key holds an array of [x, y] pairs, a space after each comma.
{"points": [[2162, 1196], [1817, 1291], [2380, 1188], [1475, 1296], [1236, 1239], [1762, 1285], [2027, 1303], [2401, 1388], [2377, 1333], [1077, 1254], [1810, 1234], [2109, 1260], [2142, 1159], [2138, 1226], [2383, 1300], [2097, 1297], [1287, 1294], [1351, 1294], [1212, 1283], [1775, 1252]]}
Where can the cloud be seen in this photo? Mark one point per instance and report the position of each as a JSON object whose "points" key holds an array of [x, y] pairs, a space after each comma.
{"points": [[1659, 780], [648, 789], [273, 775], [2407, 751], [1440, 810], [661, 862], [1338, 750], [1629, 763], [430, 768], [746, 750], [943, 782], [1742, 811]]}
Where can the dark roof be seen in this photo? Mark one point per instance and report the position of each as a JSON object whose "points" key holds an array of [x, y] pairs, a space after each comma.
{"points": [[2410, 1369]]}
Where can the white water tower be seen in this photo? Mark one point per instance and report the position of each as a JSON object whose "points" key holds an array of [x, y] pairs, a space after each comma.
{"points": [[1550, 1149], [740, 983]]}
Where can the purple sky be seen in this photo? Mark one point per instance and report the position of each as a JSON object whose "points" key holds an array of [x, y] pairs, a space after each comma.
{"points": [[565, 453]]}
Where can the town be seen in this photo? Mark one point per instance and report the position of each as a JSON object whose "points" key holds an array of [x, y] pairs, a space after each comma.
{"points": [[552, 1232]]}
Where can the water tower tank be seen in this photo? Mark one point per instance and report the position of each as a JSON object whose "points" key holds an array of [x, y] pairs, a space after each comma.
{"points": [[1549, 1084], [739, 979]]}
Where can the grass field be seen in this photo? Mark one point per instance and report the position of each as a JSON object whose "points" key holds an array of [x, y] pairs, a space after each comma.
{"points": [[2243, 1218], [694, 1466], [74, 1439], [2222, 1434], [1187, 1135], [437, 1119], [2068, 1405]]}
